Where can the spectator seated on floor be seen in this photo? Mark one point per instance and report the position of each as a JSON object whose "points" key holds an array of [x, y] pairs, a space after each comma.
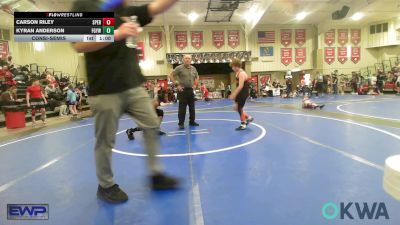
{"points": [[308, 104]]}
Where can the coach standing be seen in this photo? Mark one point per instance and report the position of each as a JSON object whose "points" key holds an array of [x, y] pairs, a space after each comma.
{"points": [[185, 78], [115, 88]]}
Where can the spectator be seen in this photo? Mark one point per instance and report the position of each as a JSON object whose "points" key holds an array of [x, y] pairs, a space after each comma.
{"points": [[204, 91], [320, 83], [35, 99], [398, 82], [71, 99], [380, 78], [9, 97], [78, 99], [50, 90], [335, 82]]}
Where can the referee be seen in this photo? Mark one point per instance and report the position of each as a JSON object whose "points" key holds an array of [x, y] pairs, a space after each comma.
{"points": [[115, 88], [186, 78]]}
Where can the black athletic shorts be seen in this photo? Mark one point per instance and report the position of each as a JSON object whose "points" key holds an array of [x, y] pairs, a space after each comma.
{"points": [[160, 112]]}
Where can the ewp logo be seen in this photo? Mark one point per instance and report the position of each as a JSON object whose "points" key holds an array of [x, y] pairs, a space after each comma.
{"points": [[27, 211], [375, 211]]}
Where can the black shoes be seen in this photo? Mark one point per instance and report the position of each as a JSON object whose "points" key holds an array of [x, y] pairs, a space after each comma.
{"points": [[129, 133], [113, 194], [163, 182], [194, 124], [321, 106], [181, 126], [161, 133]]}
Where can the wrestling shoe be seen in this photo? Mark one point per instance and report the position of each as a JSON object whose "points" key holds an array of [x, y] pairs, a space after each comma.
{"points": [[129, 133], [242, 127], [249, 120], [181, 126], [321, 106], [194, 124], [161, 133]]}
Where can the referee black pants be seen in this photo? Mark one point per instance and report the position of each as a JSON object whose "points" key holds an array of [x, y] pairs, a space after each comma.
{"points": [[186, 98]]}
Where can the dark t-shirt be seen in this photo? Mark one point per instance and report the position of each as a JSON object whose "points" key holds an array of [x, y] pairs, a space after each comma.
{"points": [[114, 68]]}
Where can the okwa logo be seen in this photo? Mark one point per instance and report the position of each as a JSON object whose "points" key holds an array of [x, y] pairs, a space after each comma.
{"points": [[355, 210]]}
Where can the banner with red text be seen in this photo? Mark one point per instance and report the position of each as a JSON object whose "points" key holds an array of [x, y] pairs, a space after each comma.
{"points": [[218, 38], [155, 40], [355, 54], [329, 55], [343, 36], [300, 55], [342, 54], [286, 37], [329, 37], [355, 36], [286, 56], [300, 37], [233, 38], [196, 39], [181, 39]]}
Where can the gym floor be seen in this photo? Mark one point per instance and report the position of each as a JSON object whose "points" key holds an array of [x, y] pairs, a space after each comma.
{"points": [[279, 171]]}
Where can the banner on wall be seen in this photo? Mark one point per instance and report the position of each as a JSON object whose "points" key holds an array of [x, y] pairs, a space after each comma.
{"points": [[196, 39], [330, 37], [266, 51], [300, 55], [355, 54], [342, 54], [355, 36], [300, 37], [286, 56], [181, 39], [286, 37], [218, 38], [264, 79], [140, 51], [266, 37], [3, 49], [329, 55], [343, 36], [155, 40], [233, 38]]}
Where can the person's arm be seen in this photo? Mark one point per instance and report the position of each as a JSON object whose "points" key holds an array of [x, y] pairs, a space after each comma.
{"points": [[196, 81], [160, 6], [27, 99], [240, 86], [44, 97], [171, 76]]}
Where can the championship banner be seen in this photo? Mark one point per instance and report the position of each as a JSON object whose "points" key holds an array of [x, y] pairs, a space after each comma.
{"points": [[140, 51], [355, 36], [264, 79], [343, 36], [286, 56], [196, 39], [155, 40], [233, 38], [355, 54], [3, 49], [329, 55], [181, 39], [300, 37], [342, 54], [218, 38], [286, 37], [300, 55], [330, 37]]}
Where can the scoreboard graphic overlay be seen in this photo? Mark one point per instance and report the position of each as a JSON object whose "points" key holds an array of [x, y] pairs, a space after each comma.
{"points": [[64, 26]]}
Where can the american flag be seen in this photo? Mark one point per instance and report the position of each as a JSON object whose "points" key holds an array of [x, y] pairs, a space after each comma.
{"points": [[266, 37]]}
